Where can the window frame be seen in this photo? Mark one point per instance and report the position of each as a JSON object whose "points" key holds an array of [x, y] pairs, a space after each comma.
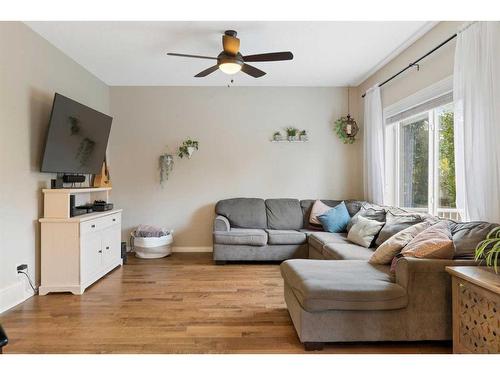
{"points": [[393, 138]]}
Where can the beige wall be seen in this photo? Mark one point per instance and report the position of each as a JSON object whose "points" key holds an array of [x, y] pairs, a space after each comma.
{"points": [[31, 71], [236, 158], [434, 68]]}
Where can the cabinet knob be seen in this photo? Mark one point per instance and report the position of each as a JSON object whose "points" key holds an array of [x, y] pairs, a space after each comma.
{"points": [[100, 251], [114, 219], [92, 226], [107, 247]]}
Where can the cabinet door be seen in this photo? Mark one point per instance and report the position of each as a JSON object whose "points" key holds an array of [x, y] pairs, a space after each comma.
{"points": [[91, 254], [111, 245]]}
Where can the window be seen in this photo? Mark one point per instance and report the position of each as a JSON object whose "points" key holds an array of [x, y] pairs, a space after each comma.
{"points": [[422, 160]]}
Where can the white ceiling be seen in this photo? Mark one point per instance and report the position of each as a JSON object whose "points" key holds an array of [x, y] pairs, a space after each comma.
{"points": [[325, 53]]}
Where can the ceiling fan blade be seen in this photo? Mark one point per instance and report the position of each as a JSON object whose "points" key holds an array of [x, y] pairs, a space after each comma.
{"points": [[231, 44], [208, 71], [273, 56], [252, 71], [193, 56]]}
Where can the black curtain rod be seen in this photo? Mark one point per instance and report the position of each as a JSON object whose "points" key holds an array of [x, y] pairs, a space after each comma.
{"points": [[415, 62]]}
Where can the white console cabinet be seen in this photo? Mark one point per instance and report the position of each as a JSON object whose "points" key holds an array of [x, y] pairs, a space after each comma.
{"points": [[77, 251]]}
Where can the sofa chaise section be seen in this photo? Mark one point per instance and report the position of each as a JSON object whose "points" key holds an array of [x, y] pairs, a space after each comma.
{"points": [[352, 300]]}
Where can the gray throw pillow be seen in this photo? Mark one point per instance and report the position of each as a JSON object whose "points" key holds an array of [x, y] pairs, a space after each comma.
{"points": [[395, 223]]}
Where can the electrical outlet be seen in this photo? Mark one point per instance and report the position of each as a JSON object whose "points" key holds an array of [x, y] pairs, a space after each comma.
{"points": [[22, 267]]}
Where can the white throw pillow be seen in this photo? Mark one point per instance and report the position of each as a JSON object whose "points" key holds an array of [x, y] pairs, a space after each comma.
{"points": [[364, 231], [318, 208]]}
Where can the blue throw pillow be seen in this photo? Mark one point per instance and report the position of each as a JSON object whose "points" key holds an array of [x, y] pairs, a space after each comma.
{"points": [[336, 219]]}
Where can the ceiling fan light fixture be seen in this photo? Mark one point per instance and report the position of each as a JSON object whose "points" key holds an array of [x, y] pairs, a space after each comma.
{"points": [[230, 67]]}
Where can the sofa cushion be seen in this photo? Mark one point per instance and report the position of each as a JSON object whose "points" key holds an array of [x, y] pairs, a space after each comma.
{"points": [[306, 205], [285, 237], [335, 220], [466, 236], [434, 242], [364, 231], [395, 223], [283, 214], [240, 236], [393, 246], [243, 212], [317, 209], [346, 251], [319, 239], [369, 212], [321, 285]]}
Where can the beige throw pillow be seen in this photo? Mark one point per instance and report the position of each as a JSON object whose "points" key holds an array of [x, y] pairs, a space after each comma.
{"points": [[433, 243], [392, 247], [318, 208], [364, 231]]}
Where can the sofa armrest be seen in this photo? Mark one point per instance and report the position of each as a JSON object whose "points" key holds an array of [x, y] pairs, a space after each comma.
{"points": [[407, 268], [428, 287], [221, 224]]}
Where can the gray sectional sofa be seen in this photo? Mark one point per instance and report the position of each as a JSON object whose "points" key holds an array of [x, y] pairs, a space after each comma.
{"points": [[334, 294]]}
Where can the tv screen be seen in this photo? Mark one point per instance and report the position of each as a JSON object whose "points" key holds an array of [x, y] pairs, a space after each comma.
{"points": [[77, 138]]}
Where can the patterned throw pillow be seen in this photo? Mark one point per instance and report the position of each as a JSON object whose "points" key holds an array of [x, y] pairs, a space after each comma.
{"points": [[433, 243], [318, 208], [335, 220], [392, 247], [364, 231]]}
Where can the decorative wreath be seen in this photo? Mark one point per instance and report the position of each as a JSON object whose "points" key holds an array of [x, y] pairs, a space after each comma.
{"points": [[346, 129]]}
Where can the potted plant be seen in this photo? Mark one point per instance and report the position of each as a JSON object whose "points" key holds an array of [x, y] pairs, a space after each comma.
{"points": [[166, 164], [277, 136], [291, 133], [303, 135], [489, 249], [187, 148]]}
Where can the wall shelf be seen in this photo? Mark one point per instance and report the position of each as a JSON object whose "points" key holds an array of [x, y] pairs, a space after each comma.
{"points": [[76, 190], [287, 141]]}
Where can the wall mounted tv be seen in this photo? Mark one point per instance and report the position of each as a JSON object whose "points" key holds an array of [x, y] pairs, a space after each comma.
{"points": [[77, 138]]}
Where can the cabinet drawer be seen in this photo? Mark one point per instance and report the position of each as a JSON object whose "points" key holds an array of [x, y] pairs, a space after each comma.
{"points": [[99, 224]]}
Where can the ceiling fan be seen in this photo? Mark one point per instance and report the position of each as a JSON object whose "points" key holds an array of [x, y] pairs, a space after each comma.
{"points": [[231, 61]]}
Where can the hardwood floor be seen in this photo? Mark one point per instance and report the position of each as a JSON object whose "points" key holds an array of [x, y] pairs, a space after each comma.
{"points": [[179, 304]]}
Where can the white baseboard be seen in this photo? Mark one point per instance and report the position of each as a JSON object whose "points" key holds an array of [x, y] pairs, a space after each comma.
{"points": [[192, 249], [13, 295]]}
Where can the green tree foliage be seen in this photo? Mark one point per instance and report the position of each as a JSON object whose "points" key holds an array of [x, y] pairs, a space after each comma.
{"points": [[421, 164], [447, 190], [416, 163]]}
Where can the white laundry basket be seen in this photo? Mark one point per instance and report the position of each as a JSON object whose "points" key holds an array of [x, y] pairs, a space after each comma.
{"points": [[152, 247]]}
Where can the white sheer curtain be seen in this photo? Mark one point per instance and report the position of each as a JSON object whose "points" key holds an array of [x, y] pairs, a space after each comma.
{"points": [[476, 93], [373, 147]]}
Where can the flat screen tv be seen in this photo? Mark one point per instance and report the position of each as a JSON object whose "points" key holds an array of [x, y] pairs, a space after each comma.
{"points": [[77, 138]]}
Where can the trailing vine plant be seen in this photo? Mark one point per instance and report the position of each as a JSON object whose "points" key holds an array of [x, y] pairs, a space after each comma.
{"points": [[166, 165], [184, 149]]}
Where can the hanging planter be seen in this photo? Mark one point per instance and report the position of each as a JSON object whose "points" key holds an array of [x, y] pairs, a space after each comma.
{"points": [[166, 164], [187, 148], [346, 127]]}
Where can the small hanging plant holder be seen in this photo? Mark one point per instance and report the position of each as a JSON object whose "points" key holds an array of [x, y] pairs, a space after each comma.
{"points": [[346, 129], [187, 148], [166, 165]]}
